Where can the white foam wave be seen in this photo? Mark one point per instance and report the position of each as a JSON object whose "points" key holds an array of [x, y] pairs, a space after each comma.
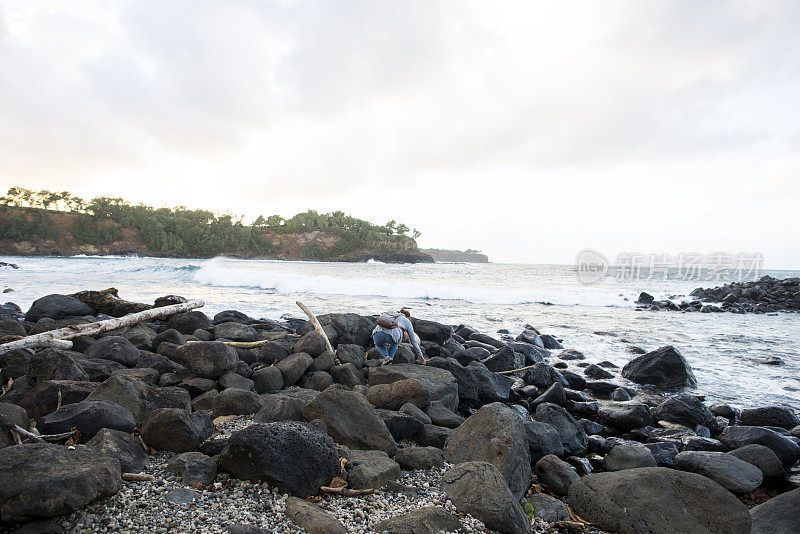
{"points": [[214, 273]]}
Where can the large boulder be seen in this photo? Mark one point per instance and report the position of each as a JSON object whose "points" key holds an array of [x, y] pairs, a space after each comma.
{"points": [[120, 445], [11, 415], [207, 359], [778, 515], [88, 417], [140, 398], [108, 302], [235, 331], [629, 455], [787, 450], [556, 473], [193, 468], [426, 520], [494, 434], [658, 500], [573, 437], [779, 416], [14, 363], [115, 348], [664, 367], [236, 402], [733, 474], [312, 343], [44, 397], [394, 395], [351, 420], [441, 385], [293, 367], [176, 430], [543, 439], [431, 330], [467, 383], [291, 456], [419, 458], [43, 480], [491, 386], [57, 307], [186, 323], [54, 364], [763, 458], [401, 426], [284, 406], [267, 379], [479, 489]]}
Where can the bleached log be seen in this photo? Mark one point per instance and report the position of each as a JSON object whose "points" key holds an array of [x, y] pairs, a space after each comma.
{"points": [[515, 370], [347, 492], [240, 344], [317, 326], [42, 437], [137, 477], [58, 337]]}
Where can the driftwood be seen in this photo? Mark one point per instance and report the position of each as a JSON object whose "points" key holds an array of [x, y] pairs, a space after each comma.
{"points": [[58, 338], [240, 344], [137, 477], [514, 370], [317, 326], [42, 437]]}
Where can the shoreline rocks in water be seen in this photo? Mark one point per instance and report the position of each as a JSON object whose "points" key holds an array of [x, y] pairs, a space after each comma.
{"points": [[231, 439], [766, 295]]}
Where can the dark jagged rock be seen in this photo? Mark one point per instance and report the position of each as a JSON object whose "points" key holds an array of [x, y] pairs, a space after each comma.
{"points": [[207, 359], [400, 425], [293, 367], [625, 415], [54, 364], [440, 384], [350, 353], [176, 430], [738, 436], [289, 455], [193, 468], [169, 335], [779, 416], [419, 458], [351, 420], [658, 500], [686, 410], [431, 330], [543, 376], [267, 380], [108, 302], [14, 364], [494, 434], [231, 316], [66, 479], [88, 417], [120, 445], [491, 386], [433, 436], [235, 381], [235, 331], [10, 415], [778, 515], [138, 397], [236, 402], [186, 323], [479, 489], [312, 518], [350, 328], [115, 348], [543, 439], [573, 437], [556, 473], [284, 406], [57, 307], [43, 398], [371, 469], [664, 367], [312, 343]]}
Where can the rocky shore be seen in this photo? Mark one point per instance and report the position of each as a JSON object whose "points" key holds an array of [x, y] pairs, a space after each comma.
{"points": [[234, 424], [767, 295]]}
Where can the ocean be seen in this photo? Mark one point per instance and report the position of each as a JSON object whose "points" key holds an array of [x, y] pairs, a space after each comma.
{"points": [[599, 319]]}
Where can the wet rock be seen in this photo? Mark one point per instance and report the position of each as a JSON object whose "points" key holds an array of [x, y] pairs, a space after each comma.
{"points": [[778, 515], [140, 398], [543, 376], [571, 354], [572, 434], [779, 416], [645, 298], [556, 473], [761, 457], [267, 379], [664, 367], [554, 394], [625, 415], [629, 455], [685, 410], [116, 349], [426, 520], [730, 472], [394, 395], [207, 359], [289, 455], [193, 468], [120, 445], [479, 489], [595, 371], [236, 402], [419, 458], [312, 518], [88, 417], [371, 469], [494, 434], [351, 420], [176, 430], [657, 500], [57, 307], [66, 479]]}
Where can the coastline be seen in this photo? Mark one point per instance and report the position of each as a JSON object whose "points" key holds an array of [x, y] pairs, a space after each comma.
{"points": [[560, 421]]}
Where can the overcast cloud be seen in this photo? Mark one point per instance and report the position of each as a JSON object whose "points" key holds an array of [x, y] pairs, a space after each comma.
{"points": [[530, 130]]}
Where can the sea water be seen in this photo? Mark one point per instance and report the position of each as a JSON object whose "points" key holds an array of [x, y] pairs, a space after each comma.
{"points": [[601, 320]]}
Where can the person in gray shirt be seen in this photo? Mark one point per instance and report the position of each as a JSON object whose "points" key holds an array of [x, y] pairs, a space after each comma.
{"points": [[388, 335]]}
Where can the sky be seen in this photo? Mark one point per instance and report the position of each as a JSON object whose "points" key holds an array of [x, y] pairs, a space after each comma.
{"points": [[528, 130]]}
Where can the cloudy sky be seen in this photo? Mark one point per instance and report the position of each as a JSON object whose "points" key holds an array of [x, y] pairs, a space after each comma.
{"points": [[529, 130]]}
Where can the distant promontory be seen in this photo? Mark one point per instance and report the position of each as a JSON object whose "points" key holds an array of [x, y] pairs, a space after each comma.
{"points": [[45, 223], [463, 256]]}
